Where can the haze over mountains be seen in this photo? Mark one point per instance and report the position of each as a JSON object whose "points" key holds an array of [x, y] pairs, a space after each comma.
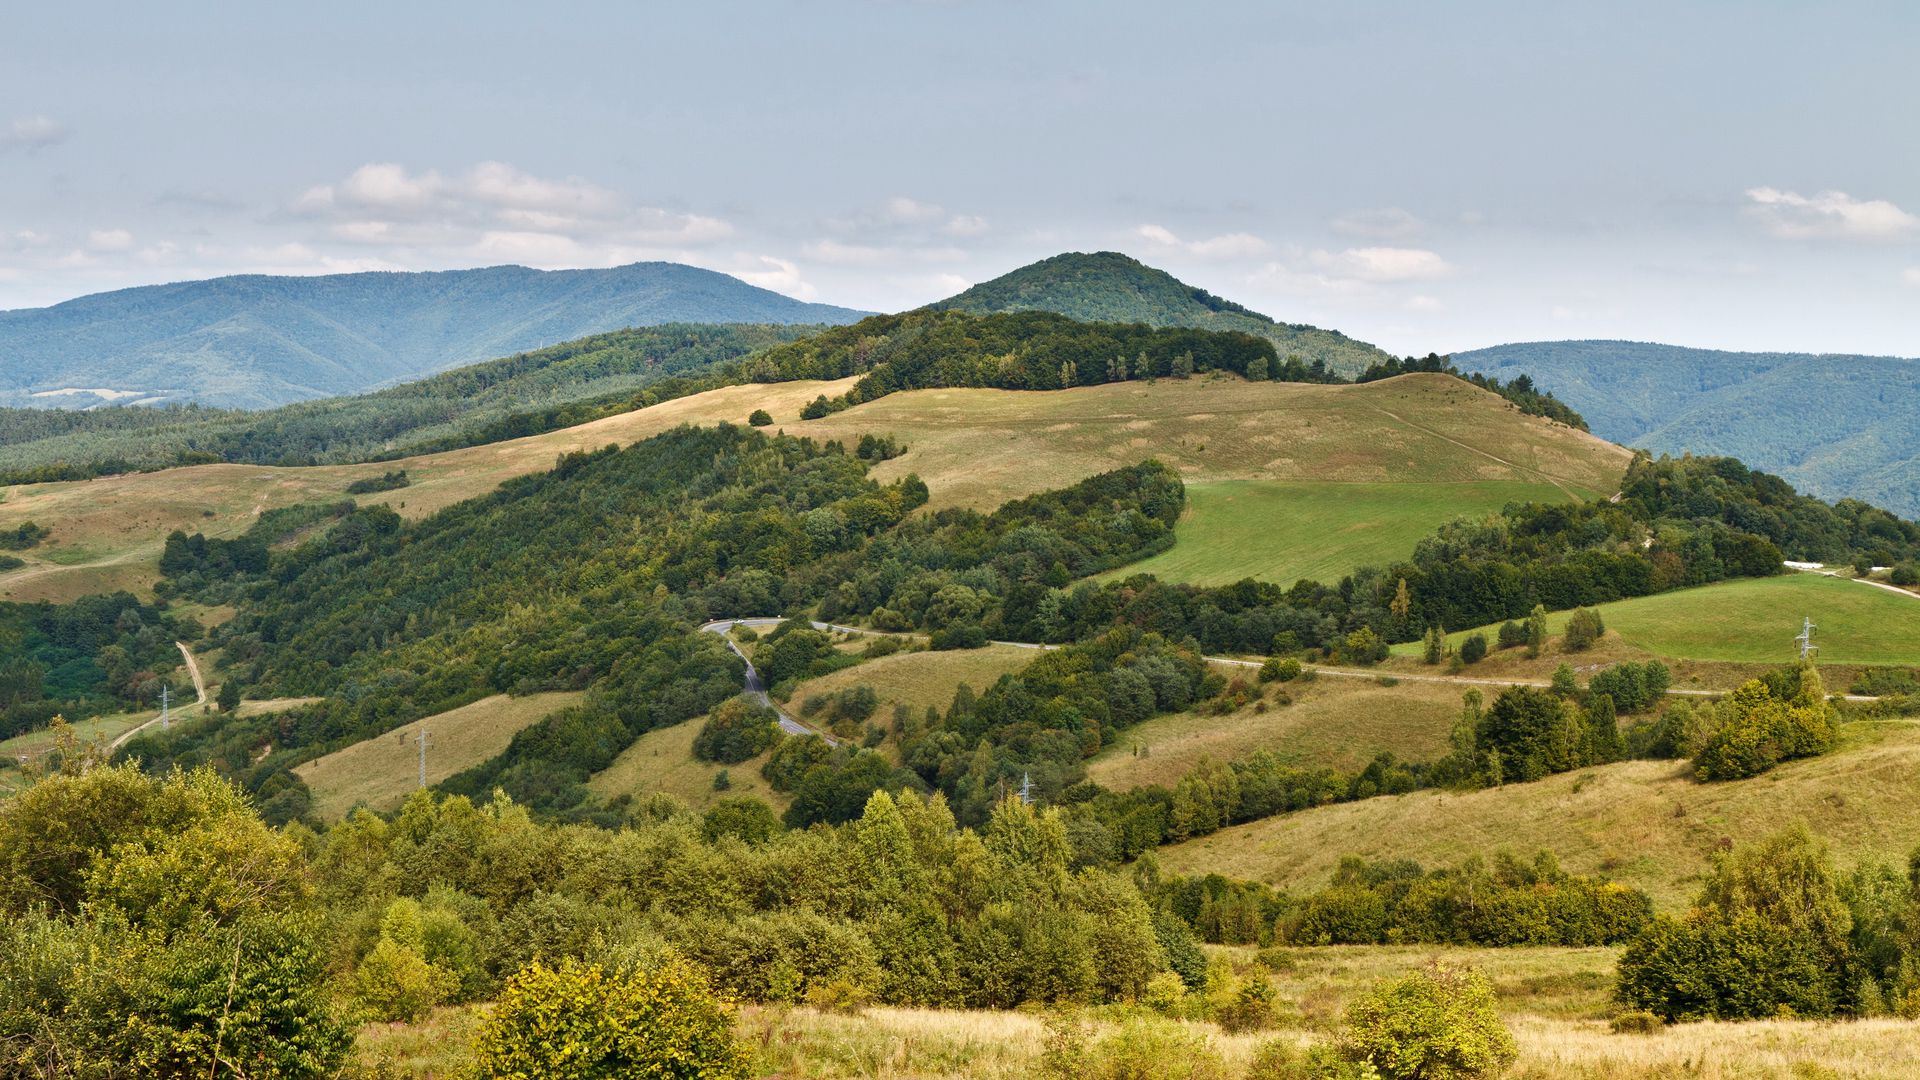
{"points": [[1833, 425], [257, 341]]}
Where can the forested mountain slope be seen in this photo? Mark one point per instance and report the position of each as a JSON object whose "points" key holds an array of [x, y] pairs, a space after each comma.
{"points": [[1107, 286], [256, 341], [1835, 426], [531, 392]]}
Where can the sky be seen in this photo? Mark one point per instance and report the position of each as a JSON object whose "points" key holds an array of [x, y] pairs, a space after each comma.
{"points": [[1428, 177]]}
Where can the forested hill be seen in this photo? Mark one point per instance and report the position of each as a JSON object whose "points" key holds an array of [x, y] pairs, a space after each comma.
{"points": [[1836, 426], [257, 341], [1107, 286]]}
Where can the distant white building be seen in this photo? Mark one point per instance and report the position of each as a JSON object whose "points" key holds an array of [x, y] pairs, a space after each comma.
{"points": [[1791, 565]]}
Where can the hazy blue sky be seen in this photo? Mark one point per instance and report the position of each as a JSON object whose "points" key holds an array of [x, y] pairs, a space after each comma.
{"points": [[1429, 176]]}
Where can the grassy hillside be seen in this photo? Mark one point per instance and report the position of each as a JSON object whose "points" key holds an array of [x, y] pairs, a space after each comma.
{"points": [[1833, 426], [380, 771], [920, 679], [973, 448], [1647, 823], [1107, 286], [257, 341], [1282, 531], [1341, 723], [662, 761], [1754, 621]]}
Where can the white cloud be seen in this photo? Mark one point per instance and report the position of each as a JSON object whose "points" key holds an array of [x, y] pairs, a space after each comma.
{"points": [[1425, 304], [901, 210], [32, 133], [1386, 223], [1381, 265], [769, 272], [1237, 245], [495, 211], [965, 225], [1912, 276], [1792, 215], [110, 240]]}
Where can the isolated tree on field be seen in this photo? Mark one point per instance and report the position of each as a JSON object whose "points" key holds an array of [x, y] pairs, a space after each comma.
{"points": [[229, 697], [760, 418], [1433, 647], [1439, 1023], [1536, 631]]}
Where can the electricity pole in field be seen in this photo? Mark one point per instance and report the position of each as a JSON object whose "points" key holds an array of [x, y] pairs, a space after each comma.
{"points": [[423, 757], [1805, 640], [165, 699]]}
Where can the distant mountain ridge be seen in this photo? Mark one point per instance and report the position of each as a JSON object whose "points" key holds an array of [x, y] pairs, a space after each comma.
{"points": [[257, 341], [1107, 286], [1833, 425]]}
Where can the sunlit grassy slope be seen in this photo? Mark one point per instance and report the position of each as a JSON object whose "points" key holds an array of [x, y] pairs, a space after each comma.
{"points": [[662, 761], [1648, 823], [973, 447], [1340, 723], [919, 679], [380, 771], [1755, 620]]}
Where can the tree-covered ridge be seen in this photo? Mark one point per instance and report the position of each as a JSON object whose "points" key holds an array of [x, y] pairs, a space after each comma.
{"points": [[514, 396], [1107, 286], [1032, 350]]}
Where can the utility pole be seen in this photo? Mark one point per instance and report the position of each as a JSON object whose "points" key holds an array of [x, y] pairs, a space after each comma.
{"points": [[1026, 788], [1807, 647], [165, 722], [423, 757]]}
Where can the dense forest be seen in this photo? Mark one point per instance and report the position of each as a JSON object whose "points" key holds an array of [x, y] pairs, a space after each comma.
{"points": [[1108, 287], [99, 654]]}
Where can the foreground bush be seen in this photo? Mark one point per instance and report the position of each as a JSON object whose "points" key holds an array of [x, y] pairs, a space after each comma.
{"points": [[1435, 1024], [577, 1022]]}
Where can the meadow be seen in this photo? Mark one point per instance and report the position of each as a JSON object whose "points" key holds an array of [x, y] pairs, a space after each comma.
{"points": [[662, 761], [1286, 530], [1754, 621], [381, 771]]}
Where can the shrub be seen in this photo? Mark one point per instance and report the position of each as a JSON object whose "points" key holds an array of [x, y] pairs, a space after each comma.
{"points": [[738, 729], [1474, 649], [760, 418], [1583, 629], [741, 816], [1636, 1022], [1435, 1024], [959, 636], [1141, 1048], [1632, 686], [1882, 682], [1433, 647], [579, 1022], [1279, 669], [1905, 574], [1251, 1008], [1512, 635], [1755, 728], [1363, 646]]}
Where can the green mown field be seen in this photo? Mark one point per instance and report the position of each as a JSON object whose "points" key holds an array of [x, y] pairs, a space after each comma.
{"points": [[1754, 620], [1285, 530]]}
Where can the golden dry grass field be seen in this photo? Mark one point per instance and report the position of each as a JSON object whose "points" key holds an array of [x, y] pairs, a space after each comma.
{"points": [[1555, 1002], [662, 761], [1646, 823], [379, 772], [1335, 722], [920, 679]]}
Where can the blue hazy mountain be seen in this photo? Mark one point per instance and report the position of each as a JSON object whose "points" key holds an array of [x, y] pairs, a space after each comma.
{"points": [[256, 341]]}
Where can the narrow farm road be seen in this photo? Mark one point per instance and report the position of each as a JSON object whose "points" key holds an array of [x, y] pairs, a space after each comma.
{"points": [[756, 688], [1226, 661], [199, 694]]}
